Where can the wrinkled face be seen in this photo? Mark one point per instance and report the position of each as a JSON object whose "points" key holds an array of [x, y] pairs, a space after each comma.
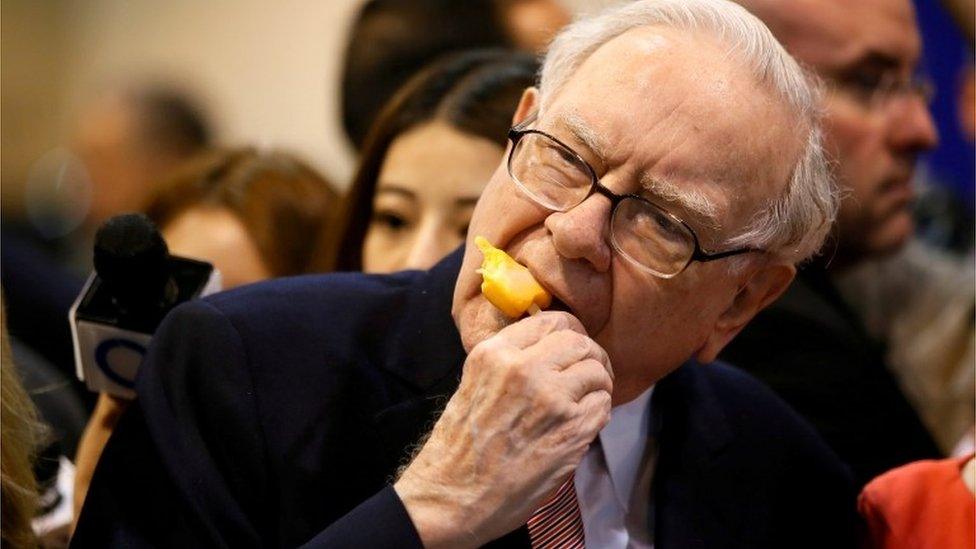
{"points": [[430, 180], [645, 122], [856, 45], [227, 244]]}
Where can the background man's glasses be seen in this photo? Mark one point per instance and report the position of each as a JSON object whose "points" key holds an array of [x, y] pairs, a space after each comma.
{"points": [[556, 177], [878, 91]]}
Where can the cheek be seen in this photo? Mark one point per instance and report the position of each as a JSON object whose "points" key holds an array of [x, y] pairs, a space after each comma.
{"points": [[238, 265], [238, 273], [656, 324], [503, 211], [448, 238], [382, 251], [856, 143], [489, 202], [638, 318]]}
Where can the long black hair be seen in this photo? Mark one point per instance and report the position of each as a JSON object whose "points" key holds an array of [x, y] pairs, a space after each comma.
{"points": [[391, 40], [475, 92]]}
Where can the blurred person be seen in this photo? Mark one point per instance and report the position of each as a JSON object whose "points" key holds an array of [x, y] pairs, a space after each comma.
{"points": [[810, 346], [390, 40], [64, 415], [922, 302], [40, 291], [427, 159], [130, 140], [661, 206], [923, 505], [21, 434], [531, 24], [254, 215], [127, 140]]}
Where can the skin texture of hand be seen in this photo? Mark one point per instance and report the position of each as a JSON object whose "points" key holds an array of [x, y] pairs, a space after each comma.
{"points": [[531, 400]]}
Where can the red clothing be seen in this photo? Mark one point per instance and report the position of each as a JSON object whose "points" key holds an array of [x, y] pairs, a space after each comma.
{"points": [[921, 505]]}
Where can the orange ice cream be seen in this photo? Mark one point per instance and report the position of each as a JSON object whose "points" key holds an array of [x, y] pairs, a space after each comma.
{"points": [[507, 284]]}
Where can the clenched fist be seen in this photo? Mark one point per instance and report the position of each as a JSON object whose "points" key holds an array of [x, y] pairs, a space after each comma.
{"points": [[532, 398]]}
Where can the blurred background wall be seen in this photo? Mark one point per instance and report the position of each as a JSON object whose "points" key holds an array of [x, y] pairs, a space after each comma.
{"points": [[32, 45]]}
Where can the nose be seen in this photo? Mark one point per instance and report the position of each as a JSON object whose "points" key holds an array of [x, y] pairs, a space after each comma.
{"points": [[912, 129], [430, 244], [584, 232]]}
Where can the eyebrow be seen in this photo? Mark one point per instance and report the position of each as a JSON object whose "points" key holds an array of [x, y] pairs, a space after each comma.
{"points": [[874, 59], [693, 201], [406, 193], [582, 133], [462, 201]]}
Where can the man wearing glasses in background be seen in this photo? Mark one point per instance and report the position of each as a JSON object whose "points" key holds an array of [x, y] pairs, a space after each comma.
{"points": [[810, 346], [661, 183]]}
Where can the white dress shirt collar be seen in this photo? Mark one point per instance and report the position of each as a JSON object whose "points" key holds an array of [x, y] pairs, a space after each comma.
{"points": [[614, 478], [624, 440]]}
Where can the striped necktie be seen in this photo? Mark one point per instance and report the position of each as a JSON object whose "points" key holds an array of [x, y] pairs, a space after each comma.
{"points": [[558, 523]]}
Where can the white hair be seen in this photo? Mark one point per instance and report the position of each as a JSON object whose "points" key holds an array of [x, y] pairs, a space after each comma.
{"points": [[792, 225]]}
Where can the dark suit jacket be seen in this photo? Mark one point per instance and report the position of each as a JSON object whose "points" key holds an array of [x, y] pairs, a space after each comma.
{"points": [[38, 293], [814, 351], [278, 414]]}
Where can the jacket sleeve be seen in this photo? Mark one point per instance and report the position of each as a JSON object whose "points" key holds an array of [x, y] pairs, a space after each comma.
{"points": [[187, 463]]}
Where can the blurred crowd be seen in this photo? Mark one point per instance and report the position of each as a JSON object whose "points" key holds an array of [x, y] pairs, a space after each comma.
{"points": [[873, 343]]}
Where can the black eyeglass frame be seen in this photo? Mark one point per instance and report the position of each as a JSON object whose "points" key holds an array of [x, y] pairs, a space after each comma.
{"points": [[516, 133]]}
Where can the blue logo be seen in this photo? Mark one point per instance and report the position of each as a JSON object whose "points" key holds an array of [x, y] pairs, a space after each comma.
{"points": [[101, 358]]}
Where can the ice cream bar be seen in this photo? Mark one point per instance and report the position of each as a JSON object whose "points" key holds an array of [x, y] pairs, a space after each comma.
{"points": [[507, 284]]}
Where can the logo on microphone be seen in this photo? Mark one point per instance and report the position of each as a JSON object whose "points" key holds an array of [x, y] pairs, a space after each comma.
{"points": [[119, 360]]}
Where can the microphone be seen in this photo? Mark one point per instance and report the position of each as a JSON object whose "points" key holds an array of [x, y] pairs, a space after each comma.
{"points": [[136, 282]]}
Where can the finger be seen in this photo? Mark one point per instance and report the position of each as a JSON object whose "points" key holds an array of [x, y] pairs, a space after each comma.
{"points": [[531, 330], [585, 377], [565, 348], [595, 413]]}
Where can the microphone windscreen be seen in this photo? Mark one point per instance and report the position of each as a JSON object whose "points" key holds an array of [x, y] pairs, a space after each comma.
{"points": [[132, 259]]}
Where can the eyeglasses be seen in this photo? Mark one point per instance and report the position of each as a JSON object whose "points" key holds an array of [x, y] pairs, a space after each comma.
{"points": [[557, 178], [877, 91]]}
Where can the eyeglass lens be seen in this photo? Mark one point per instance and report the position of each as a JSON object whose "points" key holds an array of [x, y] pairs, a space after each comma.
{"points": [[557, 179]]}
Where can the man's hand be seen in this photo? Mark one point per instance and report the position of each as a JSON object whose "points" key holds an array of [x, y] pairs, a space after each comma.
{"points": [[532, 398]]}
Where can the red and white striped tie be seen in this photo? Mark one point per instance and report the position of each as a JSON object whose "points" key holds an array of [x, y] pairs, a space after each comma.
{"points": [[558, 523]]}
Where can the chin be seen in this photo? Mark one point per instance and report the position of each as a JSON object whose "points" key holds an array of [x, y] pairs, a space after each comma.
{"points": [[892, 237]]}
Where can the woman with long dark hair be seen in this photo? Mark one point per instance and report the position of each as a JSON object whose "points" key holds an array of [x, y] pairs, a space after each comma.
{"points": [[427, 159]]}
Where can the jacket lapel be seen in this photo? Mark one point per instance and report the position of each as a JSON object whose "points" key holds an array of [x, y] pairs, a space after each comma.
{"points": [[423, 353], [692, 432], [426, 347]]}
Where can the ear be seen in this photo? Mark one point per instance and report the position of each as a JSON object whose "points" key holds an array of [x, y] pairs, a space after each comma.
{"points": [[528, 104], [762, 288]]}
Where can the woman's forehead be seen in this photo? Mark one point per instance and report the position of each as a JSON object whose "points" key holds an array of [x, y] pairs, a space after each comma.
{"points": [[438, 159]]}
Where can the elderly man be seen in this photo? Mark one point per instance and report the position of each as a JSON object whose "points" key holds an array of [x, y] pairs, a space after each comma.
{"points": [[661, 183], [810, 346]]}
